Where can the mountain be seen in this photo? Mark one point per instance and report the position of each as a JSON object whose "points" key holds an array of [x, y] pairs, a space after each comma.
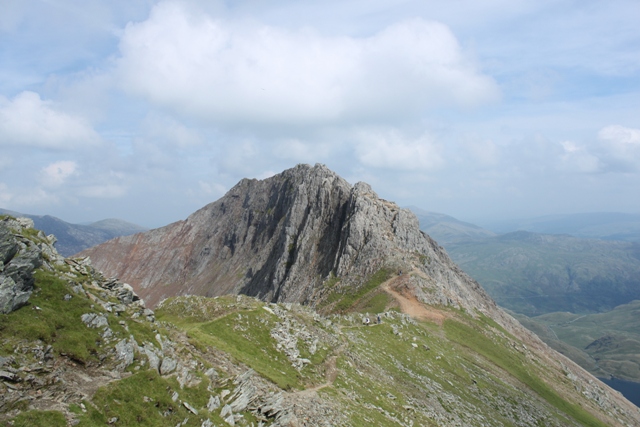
{"points": [[305, 235], [83, 350], [609, 342], [597, 225], [533, 273], [73, 238], [446, 229]]}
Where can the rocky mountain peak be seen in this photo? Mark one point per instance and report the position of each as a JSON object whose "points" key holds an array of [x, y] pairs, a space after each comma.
{"points": [[284, 239]]}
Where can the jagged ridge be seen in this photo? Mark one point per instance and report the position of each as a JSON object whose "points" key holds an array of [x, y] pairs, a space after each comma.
{"points": [[280, 239]]}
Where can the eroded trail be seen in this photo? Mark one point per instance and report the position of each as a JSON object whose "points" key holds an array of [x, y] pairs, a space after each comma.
{"points": [[331, 371], [409, 304]]}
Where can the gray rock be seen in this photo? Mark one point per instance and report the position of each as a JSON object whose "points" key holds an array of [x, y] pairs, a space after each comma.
{"points": [[213, 404], [125, 352], [94, 320], [168, 365], [19, 258], [273, 405], [5, 361], [227, 415], [119, 308], [9, 376], [211, 373], [190, 408], [154, 360]]}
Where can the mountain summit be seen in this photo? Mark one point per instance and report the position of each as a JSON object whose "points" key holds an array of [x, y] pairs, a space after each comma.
{"points": [[286, 239]]}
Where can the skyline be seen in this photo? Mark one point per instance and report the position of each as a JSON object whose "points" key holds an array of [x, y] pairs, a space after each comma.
{"points": [[147, 111]]}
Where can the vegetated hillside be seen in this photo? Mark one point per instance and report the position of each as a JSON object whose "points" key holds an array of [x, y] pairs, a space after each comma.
{"points": [[535, 274], [596, 225], [84, 351], [73, 238], [447, 230], [609, 342]]}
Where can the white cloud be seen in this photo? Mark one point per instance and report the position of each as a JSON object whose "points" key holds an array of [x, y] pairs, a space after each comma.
{"points": [[57, 173], [392, 149], [166, 129], [27, 198], [620, 134], [578, 159], [621, 148], [237, 71], [27, 120]]}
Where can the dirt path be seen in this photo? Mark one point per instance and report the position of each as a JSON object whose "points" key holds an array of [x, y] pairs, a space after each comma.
{"points": [[409, 304], [331, 371]]}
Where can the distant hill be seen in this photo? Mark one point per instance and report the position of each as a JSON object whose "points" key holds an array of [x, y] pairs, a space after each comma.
{"points": [[73, 238], [446, 229], [599, 225], [533, 273], [606, 344], [553, 277]]}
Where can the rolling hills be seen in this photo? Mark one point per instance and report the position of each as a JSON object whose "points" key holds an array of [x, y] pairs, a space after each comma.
{"points": [[73, 238]]}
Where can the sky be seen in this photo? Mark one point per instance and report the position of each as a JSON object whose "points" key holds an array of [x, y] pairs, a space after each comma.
{"points": [[147, 110]]}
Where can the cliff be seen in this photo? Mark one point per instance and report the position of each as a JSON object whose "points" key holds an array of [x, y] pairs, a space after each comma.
{"points": [[283, 239]]}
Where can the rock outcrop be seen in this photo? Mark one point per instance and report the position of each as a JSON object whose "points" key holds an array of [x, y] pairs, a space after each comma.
{"points": [[281, 239], [19, 257]]}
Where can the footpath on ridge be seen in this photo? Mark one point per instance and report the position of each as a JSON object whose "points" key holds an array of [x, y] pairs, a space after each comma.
{"points": [[397, 287]]}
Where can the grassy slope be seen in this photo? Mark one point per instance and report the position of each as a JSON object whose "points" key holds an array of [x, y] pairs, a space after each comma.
{"points": [[466, 370]]}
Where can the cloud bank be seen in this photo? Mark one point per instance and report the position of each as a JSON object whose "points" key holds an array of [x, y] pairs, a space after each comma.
{"points": [[228, 71], [27, 120]]}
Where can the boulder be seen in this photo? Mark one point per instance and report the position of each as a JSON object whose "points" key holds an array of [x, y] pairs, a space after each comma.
{"points": [[19, 257]]}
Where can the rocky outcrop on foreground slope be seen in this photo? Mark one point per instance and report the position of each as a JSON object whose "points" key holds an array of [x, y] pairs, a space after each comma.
{"points": [[285, 239], [19, 257]]}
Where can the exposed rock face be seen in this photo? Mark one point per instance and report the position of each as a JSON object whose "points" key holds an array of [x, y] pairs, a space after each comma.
{"points": [[280, 239], [19, 257]]}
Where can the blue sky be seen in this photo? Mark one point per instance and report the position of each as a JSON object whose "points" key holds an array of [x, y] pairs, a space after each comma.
{"points": [[486, 109]]}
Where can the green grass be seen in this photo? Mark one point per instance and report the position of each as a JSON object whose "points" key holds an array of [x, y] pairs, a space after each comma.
{"points": [[346, 300], [57, 322], [515, 364], [375, 304], [251, 344], [40, 419], [145, 399]]}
